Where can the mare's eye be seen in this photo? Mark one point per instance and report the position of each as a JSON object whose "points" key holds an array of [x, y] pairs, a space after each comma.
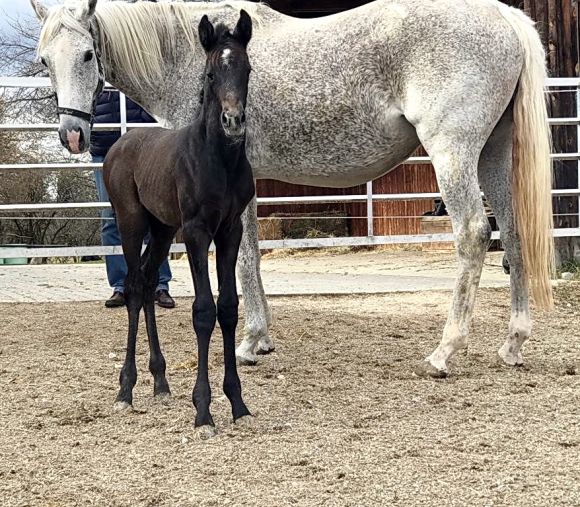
{"points": [[88, 56], [210, 76], [43, 61]]}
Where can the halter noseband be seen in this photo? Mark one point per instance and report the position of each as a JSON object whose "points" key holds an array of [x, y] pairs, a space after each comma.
{"points": [[75, 112]]}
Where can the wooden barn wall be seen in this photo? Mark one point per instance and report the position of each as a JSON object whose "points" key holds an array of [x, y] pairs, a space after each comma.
{"points": [[390, 217], [558, 25]]}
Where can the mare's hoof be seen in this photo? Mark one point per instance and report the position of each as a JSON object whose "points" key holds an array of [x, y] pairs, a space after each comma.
{"points": [[426, 370], [206, 432], [265, 346], [510, 358], [122, 406], [247, 360], [246, 421]]}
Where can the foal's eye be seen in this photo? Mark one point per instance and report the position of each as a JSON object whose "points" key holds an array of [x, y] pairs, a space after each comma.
{"points": [[210, 76], [88, 56], [43, 61]]}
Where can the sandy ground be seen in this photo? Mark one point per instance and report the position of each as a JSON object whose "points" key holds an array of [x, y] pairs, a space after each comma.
{"points": [[340, 418]]}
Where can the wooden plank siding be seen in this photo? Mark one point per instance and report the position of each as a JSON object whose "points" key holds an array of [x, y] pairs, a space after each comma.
{"points": [[558, 24]]}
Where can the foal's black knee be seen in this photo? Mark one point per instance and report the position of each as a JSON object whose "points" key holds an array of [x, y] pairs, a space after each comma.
{"points": [[134, 289], [227, 312], [204, 317]]}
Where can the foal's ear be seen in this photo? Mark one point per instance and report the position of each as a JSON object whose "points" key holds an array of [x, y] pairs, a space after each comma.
{"points": [[86, 9], [243, 30], [39, 9], [206, 33]]}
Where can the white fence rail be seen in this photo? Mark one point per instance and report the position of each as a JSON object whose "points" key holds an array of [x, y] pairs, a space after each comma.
{"points": [[571, 84]]}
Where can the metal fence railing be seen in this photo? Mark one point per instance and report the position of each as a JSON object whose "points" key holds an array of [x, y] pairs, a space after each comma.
{"points": [[571, 85]]}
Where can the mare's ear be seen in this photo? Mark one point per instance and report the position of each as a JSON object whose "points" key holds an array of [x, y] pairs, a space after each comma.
{"points": [[85, 10], [39, 9], [243, 30], [206, 34]]}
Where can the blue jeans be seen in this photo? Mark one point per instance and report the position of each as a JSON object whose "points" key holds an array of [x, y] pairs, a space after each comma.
{"points": [[116, 266]]}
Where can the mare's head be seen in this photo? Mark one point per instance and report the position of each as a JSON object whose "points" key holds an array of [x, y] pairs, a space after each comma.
{"points": [[68, 49], [227, 71]]}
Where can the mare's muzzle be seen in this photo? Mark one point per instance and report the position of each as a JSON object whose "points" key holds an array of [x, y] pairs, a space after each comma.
{"points": [[74, 133]]}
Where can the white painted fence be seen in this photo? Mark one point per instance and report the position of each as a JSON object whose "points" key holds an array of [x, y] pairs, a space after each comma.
{"points": [[572, 84]]}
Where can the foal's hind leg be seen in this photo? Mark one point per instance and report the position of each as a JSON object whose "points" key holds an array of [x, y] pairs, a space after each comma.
{"points": [[132, 226], [495, 177], [156, 252], [456, 169]]}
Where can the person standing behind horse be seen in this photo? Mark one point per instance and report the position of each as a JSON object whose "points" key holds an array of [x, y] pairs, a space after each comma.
{"points": [[107, 111]]}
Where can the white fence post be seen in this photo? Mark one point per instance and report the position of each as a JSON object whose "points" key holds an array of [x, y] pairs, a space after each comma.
{"points": [[370, 214], [123, 111]]}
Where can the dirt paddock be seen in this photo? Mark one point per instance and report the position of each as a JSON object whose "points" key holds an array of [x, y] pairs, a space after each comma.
{"points": [[340, 417]]}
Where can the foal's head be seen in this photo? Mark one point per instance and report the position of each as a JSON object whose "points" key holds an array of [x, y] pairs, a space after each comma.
{"points": [[227, 70]]}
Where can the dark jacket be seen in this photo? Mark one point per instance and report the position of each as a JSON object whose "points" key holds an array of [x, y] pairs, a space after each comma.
{"points": [[107, 111]]}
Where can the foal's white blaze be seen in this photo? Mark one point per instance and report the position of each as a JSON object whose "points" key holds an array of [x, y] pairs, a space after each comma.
{"points": [[226, 53]]}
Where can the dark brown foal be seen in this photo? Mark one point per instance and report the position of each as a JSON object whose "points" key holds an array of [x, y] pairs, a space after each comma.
{"points": [[198, 178]]}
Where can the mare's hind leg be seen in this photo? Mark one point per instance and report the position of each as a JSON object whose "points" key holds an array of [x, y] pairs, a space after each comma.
{"points": [[495, 166], [455, 165], [132, 226], [156, 252]]}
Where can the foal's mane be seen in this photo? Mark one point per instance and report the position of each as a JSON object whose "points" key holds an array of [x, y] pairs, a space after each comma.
{"points": [[141, 37]]}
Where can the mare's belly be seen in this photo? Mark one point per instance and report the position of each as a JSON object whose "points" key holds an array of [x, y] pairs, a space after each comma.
{"points": [[331, 155]]}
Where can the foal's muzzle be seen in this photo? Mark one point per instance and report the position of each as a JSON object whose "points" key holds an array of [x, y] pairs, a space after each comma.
{"points": [[234, 120]]}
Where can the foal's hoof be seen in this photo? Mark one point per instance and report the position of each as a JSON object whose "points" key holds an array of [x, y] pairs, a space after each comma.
{"points": [[246, 421], [122, 406], [206, 432], [163, 398], [265, 346], [426, 370]]}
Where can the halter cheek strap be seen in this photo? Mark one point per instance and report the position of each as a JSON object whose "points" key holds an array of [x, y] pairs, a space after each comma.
{"points": [[89, 117]]}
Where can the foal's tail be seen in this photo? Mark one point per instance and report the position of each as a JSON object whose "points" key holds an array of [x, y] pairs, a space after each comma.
{"points": [[532, 167]]}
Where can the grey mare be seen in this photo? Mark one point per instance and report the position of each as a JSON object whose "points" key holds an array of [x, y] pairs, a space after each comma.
{"points": [[340, 100]]}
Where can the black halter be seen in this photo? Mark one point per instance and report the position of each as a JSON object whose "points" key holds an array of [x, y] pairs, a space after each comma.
{"points": [[75, 112], [89, 117]]}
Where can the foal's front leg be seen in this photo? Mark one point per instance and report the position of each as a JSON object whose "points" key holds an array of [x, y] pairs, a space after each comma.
{"points": [[227, 242], [197, 241]]}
